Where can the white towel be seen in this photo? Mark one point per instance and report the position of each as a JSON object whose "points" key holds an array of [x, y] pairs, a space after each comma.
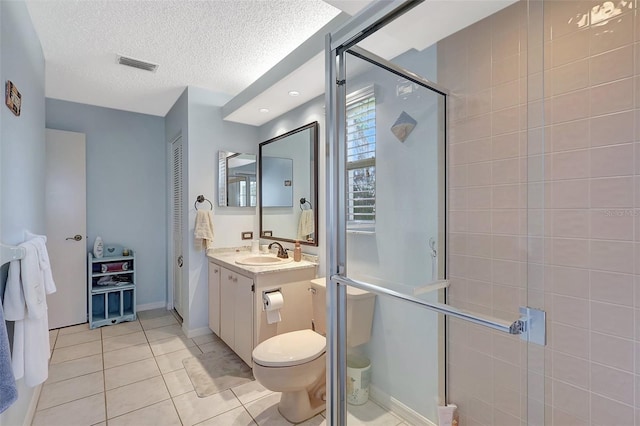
{"points": [[306, 224], [45, 266], [203, 230], [26, 304]]}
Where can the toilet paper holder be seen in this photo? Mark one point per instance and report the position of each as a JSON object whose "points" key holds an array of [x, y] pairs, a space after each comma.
{"points": [[265, 301]]}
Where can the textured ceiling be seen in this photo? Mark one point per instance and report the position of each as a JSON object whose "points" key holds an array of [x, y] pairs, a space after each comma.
{"points": [[221, 45]]}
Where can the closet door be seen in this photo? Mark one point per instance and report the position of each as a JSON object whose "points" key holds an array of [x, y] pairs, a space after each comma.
{"points": [[178, 259]]}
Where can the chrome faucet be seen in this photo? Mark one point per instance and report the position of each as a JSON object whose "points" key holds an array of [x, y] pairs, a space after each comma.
{"points": [[282, 253]]}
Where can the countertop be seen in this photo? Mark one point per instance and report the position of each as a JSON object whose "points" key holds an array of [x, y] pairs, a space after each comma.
{"points": [[227, 258]]}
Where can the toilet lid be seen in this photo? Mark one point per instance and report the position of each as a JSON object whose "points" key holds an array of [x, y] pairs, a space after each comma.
{"points": [[288, 349]]}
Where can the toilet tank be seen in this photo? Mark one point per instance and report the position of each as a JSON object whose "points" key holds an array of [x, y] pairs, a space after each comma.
{"points": [[359, 312]]}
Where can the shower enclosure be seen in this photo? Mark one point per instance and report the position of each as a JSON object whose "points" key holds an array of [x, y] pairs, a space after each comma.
{"points": [[421, 214]]}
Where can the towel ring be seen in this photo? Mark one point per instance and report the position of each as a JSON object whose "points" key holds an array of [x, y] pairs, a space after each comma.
{"points": [[201, 199], [304, 201]]}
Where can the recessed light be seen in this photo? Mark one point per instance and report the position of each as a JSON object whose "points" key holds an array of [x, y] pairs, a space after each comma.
{"points": [[294, 93], [263, 110]]}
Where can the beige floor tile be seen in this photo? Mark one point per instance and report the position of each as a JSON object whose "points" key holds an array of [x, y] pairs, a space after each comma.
{"points": [[73, 329], [70, 390], [236, 417], [157, 322], [160, 414], [121, 329], [53, 336], [161, 333], [370, 413], [135, 396], [154, 313], [201, 340], [265, 411], [215, 346], [318, 420], [74, 368], [250, 392], [123, 341], [172, 344], [192, 409], [173, 361], [77, 351], [85, 411], [178, 382], [78, 338], [127, 355], [130, 373]]}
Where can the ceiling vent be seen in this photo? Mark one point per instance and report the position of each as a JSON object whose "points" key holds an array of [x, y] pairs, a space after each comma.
{"points": [[137, 63]]}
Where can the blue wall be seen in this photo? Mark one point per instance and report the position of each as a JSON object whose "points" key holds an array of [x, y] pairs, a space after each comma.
{"points": [[126, 185], [21, 149]]}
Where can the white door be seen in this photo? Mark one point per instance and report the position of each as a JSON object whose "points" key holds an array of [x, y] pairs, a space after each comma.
{"points": [[176, 179], [66, 226]]}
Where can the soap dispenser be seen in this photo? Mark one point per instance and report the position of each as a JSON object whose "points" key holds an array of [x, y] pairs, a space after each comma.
{"points": [[297, 252]]}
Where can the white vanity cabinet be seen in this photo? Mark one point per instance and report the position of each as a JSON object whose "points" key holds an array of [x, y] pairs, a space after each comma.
{"points": [[214, 298], [236, 311]]}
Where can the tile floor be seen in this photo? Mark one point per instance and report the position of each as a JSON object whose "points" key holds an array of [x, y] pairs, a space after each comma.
{"points": [[132, 374]]}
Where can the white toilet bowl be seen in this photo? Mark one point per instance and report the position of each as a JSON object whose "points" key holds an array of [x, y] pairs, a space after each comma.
{"points": [[293, 363]]}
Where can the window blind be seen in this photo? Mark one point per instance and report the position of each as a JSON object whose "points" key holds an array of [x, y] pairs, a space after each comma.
{"points": [[361, 156]]}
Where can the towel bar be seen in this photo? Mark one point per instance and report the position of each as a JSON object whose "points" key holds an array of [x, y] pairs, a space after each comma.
{"points": [[201, 199], [304, 201], [9, 253]]}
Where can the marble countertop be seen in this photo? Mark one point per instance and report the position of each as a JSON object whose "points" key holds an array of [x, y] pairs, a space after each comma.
{"points": [[227, 258]]}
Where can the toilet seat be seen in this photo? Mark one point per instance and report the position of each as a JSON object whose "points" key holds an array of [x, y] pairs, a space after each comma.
{"points": [[290, 349]]}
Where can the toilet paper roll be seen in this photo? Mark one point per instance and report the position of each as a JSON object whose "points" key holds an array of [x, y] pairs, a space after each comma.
{"points": [[273, 302]]}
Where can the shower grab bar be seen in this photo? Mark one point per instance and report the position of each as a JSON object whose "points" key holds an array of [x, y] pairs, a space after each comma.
{"points": [[9, 253], [530, 326]]}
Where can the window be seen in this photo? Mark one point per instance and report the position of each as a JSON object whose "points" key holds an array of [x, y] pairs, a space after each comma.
{"points": [[361, 158]]}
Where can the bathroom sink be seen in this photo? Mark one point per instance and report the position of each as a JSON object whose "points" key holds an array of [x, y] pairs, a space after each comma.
{"points": [[264, 260]]}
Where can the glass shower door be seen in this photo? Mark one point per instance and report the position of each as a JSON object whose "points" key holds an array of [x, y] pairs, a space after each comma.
{"points": [[400, 228]]}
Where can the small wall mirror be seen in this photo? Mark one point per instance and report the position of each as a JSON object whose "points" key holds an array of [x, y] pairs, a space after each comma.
{"points": [[289, 186], [237, 186]]}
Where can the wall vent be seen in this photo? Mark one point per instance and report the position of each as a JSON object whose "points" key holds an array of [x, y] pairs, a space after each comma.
{"points": [[137, 63]]}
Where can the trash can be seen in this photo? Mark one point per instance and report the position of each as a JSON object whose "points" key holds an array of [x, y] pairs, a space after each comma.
{"points": [[358, 379]]}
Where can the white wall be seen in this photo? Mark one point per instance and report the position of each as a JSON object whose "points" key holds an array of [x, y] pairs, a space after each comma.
{"points": [[22, 150]]}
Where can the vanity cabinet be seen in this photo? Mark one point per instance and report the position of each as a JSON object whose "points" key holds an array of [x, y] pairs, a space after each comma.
{"points": [[236, 311], [214, 298]]}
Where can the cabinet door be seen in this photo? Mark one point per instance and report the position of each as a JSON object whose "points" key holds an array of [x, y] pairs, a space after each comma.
{"points": [[227, 304], [243, 316], [214, 298]]}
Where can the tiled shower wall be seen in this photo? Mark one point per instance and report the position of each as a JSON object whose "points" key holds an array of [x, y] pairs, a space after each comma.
{"points": [[579, 256]]}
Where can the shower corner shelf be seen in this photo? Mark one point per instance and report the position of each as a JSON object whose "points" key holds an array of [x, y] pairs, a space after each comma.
{"points": [[114, 300]]}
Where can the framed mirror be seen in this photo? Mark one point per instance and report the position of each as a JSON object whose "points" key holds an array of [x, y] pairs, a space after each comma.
{"points": [[289, 186], [237, 185]]}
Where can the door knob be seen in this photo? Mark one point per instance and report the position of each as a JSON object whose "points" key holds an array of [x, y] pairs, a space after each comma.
{"points": [[76, 237]]}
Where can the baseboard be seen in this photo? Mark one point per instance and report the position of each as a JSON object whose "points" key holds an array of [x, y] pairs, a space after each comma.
{"points": [[398, 408], [33, 404], [150, 306], [196, 332]]}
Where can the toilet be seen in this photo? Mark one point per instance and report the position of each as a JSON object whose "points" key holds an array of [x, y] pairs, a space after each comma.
{"points": [[294, 363]]}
